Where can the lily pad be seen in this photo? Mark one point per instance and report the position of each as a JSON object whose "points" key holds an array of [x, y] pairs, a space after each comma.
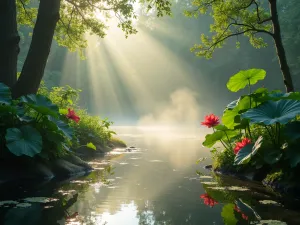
{"points": [[244, 78], [246, 153], [272, 112], [23, 141]]}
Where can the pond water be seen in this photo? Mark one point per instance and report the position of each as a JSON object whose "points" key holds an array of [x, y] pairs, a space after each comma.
{"points": [[157, 182]]}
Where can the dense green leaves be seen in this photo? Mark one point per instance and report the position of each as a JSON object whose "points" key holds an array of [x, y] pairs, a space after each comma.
{"points": [[272, 112], [23, 141], [230, 19], [246, 153], [41, 104], [244, 78], [62, 126]]}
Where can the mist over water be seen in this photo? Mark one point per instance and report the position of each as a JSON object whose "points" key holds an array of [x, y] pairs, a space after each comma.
{"points": [[182, 109]]}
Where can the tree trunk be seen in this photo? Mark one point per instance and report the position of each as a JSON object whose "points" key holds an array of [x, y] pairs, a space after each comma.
{"points": [[287, 77], [9, 42], [35, 63]]}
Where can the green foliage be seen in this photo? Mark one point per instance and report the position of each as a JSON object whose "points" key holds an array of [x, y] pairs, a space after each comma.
{"points": [[260, 115], [231, 18], [77, 18], [245, 154], [35, 126], [244, 78], [271, 112], [91, 146], [90, 128], [275, 176], [228, 214], [25, 140]]}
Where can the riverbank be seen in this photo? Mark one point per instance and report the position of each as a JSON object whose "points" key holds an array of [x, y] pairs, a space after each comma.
{"points": [[281, 187], [71, 165]]}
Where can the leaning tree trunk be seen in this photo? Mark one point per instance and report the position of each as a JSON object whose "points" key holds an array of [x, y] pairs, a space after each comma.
{"points": [[9, 42], [285, 69], [35, 63]]}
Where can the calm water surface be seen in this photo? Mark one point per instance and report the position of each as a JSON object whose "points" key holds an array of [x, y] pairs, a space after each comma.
{"points": [[157, 182]]}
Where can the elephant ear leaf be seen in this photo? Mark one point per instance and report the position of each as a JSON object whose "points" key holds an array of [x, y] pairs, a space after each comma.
{"points": [[271, 112], [244, 78], [245, 154], [25, 140], [41, 104]]}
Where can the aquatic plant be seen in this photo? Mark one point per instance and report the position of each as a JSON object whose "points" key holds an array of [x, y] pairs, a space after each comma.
{"points": [[258, 129], [33, 125]]}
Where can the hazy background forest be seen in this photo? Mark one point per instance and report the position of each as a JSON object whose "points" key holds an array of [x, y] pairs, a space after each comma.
{"points": [[152, 77]]}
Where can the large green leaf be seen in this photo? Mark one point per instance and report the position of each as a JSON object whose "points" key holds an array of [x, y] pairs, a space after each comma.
{"points": [[228, 215], [272, 112], [244, 78], [228, 118], [41, 104], [245, 154], [211, 139], [24, 141], [62, 126], [292, 130], [5, 95]]}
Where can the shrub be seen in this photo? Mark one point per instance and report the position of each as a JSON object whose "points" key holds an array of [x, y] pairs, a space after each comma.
{"points": [[259, 129]]}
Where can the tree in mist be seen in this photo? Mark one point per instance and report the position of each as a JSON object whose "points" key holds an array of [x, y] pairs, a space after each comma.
{"points": [[254, 19], [67, 21]]}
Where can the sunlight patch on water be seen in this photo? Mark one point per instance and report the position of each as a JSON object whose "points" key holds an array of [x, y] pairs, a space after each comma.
{"points": [[128, 214]]}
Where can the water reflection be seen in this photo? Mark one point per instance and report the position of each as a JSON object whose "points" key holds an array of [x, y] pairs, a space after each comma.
{"points": [[155, 183]]}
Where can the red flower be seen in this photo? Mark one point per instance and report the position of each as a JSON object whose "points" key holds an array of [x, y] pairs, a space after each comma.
{"points": [[208, 200], [211, 121], [240, 145], [244, 216], [72, 116]]}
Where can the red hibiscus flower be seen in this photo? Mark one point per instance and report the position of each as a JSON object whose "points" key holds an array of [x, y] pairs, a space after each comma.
{"points": [[210, 120], [72, 116], [240, 145], [209, 201]]}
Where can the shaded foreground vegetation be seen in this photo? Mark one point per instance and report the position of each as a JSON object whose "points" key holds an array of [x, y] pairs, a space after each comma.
{"points": [[259, 133], [48, 127]]}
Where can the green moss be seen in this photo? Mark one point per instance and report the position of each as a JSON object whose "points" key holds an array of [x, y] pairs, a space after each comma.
{"points": [[116, 142], [275, 176]]}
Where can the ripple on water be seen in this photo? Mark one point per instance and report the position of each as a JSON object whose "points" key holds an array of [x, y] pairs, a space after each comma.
{"points": [[271, 222], [205, 177], [40, 199], [270, 202], [231, 188]]}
